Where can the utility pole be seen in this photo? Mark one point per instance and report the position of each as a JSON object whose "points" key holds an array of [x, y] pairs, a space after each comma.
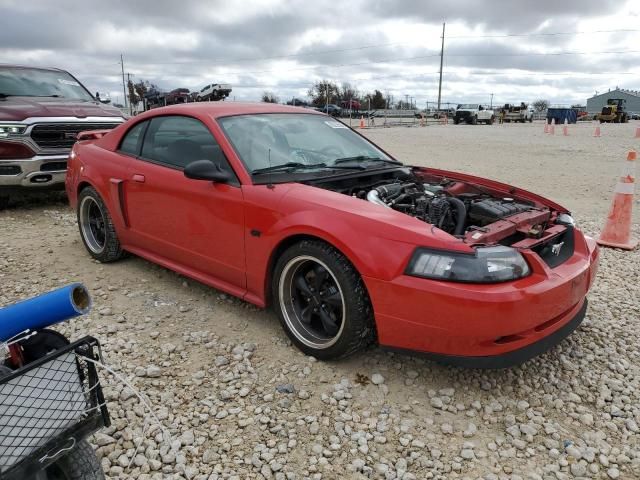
{"points": [[441, 62], [130, 103], [491, 106], [124, 88]]}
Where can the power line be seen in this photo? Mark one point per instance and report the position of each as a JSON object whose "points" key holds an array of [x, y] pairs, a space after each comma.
{"points": [[543, 34], [392, 60], [381, 45], [435, 73]]}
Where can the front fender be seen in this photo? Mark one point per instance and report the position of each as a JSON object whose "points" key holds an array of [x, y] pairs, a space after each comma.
{"points": [[376, 240]]}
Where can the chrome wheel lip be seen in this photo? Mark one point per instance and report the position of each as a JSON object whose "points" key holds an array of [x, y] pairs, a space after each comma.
{"points": [[88, 235], [295, 325]]}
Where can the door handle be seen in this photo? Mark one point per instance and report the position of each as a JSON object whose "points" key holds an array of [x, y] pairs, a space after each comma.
{"points": [[138, 178]]}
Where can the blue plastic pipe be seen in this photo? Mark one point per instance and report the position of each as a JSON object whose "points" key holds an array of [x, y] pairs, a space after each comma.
{"points": [[44, 310]]}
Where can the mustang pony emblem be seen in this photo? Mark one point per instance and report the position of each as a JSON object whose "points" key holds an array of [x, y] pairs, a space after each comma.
{"points": [[555, 249]]}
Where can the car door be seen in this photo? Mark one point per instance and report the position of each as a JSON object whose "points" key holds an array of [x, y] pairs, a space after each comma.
{"points": [[193, 224]]}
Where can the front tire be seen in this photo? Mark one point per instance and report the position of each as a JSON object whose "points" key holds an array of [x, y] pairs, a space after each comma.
{"points": [[96, 227], [474, 120], [321, 301], [4, 201]]}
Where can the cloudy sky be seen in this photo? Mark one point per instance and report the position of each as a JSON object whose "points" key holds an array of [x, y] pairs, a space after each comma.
{"points": [[519, 50]]}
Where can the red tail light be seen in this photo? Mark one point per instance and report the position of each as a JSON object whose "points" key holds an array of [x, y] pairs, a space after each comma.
{"points": [[12, 151]]}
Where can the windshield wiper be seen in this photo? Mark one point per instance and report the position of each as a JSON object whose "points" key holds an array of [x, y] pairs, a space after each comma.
{"points": [[299, 165], [360, 158]]}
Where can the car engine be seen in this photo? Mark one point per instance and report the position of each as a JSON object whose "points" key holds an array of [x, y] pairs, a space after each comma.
{"points": [[437, 203]]}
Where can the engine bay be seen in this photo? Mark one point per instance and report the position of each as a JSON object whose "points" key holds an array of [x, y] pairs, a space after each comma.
{"points": [[463, 209]]}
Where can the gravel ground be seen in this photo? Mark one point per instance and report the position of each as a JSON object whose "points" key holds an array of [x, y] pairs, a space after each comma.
{"points": [[238, 401]]}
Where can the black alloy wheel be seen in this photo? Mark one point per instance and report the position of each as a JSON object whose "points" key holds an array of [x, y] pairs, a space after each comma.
{"points": [[321, 301], [96, 227]]}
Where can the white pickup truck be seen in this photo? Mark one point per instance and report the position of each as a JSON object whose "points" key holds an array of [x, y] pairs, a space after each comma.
{"points": [[517, 113], [473, 113]]}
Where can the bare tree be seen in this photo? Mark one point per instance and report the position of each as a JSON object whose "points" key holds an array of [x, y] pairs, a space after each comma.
{"points": [[347, 92], [269, 97], [134, 99], [323, 92], [540, 105], [141, 88]]}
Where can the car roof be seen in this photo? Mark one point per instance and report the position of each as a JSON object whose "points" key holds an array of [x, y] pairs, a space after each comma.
{"points": [[224, 109]]}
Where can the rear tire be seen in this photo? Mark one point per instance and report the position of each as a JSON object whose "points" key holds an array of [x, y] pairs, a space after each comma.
{"points": [[491, 120], [321, 301], [96, 227], [4, 201], [474, 120]]}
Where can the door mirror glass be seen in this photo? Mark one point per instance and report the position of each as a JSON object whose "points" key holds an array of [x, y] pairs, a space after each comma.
{"points": [[206, 170]]}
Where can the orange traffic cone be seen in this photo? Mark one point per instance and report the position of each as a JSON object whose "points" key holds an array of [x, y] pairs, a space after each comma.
{"points": [[361, 121], [617, 230], [552, 128], [596, 132], [565, 128], [637, 132], [546, 127]]}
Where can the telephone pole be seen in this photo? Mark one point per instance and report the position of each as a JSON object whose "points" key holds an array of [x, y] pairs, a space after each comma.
{"points": [[129, 75], [491, 106], [124, 88], [441, 61]]}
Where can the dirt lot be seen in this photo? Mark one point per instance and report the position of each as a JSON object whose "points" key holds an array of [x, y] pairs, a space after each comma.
{"points": [[240, 402]]}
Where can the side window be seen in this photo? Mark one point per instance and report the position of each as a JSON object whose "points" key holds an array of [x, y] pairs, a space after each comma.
{"points": [[131, 142], [177, 141]]}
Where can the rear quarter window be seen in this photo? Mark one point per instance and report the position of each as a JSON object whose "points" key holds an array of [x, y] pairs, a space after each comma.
{"points": [[132, 140]]}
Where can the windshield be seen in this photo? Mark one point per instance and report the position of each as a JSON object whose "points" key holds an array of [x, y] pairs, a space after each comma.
{"points": [[470, 106], [33, 82], [268, 140]]}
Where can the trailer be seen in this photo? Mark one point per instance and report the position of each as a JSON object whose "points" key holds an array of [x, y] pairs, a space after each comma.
{"points": [[560, 114]]}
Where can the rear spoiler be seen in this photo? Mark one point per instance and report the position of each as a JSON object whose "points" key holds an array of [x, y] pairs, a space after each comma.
{"points": [[91, 134]]}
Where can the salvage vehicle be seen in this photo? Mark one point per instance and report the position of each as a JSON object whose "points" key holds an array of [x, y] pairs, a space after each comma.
{"points": [[473, 113], [291, 208], [41, 112], [214, 92]]}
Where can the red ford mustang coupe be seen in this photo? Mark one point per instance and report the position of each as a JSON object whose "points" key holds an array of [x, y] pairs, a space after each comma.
{"points": [[285, 206]]}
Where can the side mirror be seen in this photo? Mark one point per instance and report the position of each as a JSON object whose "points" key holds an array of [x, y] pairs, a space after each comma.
{"points": [[206, 170]]}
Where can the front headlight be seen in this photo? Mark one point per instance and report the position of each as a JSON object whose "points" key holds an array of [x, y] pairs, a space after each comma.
{"points": [[7, 130], [487, 265]]}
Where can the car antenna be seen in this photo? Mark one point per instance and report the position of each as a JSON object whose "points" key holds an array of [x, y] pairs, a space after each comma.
{"points": [[270, 184]]}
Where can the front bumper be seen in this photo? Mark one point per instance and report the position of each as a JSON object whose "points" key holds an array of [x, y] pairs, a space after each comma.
{"points": [[41, 171], [486, 326]]}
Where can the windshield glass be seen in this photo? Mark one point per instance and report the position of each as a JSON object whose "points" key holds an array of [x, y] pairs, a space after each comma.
{"points": [[32, 82], [471, 106], [268, 140]]}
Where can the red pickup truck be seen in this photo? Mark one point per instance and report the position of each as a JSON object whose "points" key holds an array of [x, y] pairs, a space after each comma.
{"points": [[41, 112]]}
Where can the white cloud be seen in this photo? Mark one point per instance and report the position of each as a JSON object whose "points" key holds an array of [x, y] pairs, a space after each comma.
{"points": [[249, 43]]}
